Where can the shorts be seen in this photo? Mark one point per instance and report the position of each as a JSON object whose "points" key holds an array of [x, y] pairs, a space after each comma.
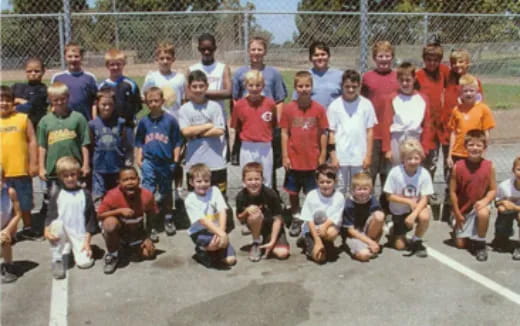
{"points": [[158, 177], [218, 179], [261, 153], [400, 227], [131, 236], [24, 191], [299, 180], [203, 238], [102, 183], [504, 224], [346, 172], [469, 229]]}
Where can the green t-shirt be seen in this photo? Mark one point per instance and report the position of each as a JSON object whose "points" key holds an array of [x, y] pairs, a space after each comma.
{"points": [[62, 136]]}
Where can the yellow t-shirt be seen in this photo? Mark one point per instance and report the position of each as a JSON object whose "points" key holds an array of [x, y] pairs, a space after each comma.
{"points": [[14, 153]]}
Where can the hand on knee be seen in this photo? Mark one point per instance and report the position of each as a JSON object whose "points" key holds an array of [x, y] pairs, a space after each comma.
{"points": [[111, 224], [363, 255], [400, 243]]}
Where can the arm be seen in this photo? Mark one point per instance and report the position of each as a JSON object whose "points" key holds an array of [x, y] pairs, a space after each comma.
{"points": [[491, 193], [213, 132], [225, 92], [453, 197], [449, 160], [138, 156], [370, 141], [85, 169], [323, 147], [275, 231], [332, 143], [421, 204], [197, 130], [278, 112], [33, 150], [285, 154], [42, 154], [402, 200]]}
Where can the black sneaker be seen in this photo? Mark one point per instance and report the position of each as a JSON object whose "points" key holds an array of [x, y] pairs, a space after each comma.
{"points": [[516, 254], [169, 226], [295, 228], [202, 257], [111, 262], [58, 270], [154, 236], [28, 234], [481, 251], [418, 249], [8, 273], [255, 254]]}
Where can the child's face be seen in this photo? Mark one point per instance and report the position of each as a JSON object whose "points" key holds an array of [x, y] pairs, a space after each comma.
{"points": [[200, 184], [475, 149], [362, 193], [105, 107], [350, 90], [253, 182], [320, 59], [412, 161], [129, 182], [459, 66], [516, 172], [73, 59], [256, 52], [304, 87], [164, 61], [59, 102], [468, 93], [431, 63], [406, 83], [34, 72], [207, 51], [115, 67], [383, 60], [6, 106], [155, 101], [326, 185], [198, 89], [254, 88], [70, 178]]}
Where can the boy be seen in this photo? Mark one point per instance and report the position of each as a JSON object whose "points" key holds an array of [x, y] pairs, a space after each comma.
{"points": [[121, 214], [321, 213], [409, 115], [408, 186], [61, 133], [363, 219], [351, 120], [157, 144], [170, 82], [31, 98], [81, 84], [259, 207], [71, 219], [304, 142], [254, 118], [472, 188], [109, 146], [10, 214], [206, 210], [469, 114], [508, 205], [18, 153]]}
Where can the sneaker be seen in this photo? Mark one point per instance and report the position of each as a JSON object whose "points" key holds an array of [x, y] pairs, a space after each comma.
{"points": [[154, 236], [516, 254], [110, 263], [58, 270], [481, 251], [418, 249], [245, 230], [28, 234], [8, 273], [255, 254], [296, 227], [202, 257], [300, 243], [169, 226]]}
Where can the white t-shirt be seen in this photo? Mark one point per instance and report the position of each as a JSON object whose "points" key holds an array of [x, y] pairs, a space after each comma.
{"points": [[315, 202], [350, 121], [204, 207], [400, 183], [215, 74], [172, 86], [508, 191], [409, 111], [71, 205]]}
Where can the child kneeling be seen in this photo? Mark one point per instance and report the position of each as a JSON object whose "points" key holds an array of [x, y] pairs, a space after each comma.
{"points": [[10, 214], [322, 211], [71, 219], [206, 210]]}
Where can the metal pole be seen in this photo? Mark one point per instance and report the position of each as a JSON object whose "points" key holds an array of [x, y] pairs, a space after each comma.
{"points": [[363, 34], [425, 29], [67, 20], [246, 37], [116, 28], [62, 42]]}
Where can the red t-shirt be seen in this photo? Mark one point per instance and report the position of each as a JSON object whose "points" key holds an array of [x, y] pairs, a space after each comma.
{"points": [[473, 182], [115, 199], [255, 123], [380, 90], [304, 129]]}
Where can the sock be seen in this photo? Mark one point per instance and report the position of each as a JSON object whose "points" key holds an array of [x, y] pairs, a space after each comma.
{"points": [[168, 217], [479, 239], [416, 238], [257, 241], [114, 254]]}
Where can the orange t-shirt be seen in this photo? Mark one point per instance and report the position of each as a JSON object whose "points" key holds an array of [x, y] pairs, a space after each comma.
{"points": [[478, 116]]}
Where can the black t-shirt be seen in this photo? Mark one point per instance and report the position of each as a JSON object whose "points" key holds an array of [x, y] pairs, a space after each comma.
{"points": [[356, 214], [267, 200], [36, 96]]}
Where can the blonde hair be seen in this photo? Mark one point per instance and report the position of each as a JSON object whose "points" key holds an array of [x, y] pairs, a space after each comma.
{"points": [[382, 46], [302, 75], [66, 164], [115, 54], [459, 54], [253, 76], [516, 161], [57, 89], [409, 146], [165, 47], [199, 170], [468, 80], [361, 179]]}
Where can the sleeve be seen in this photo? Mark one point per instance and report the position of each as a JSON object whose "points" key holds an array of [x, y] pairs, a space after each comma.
{"points": [[386, 123], [274, 203], [240, 202], [91, 223], [279, 88], [374, 205], [217, 115], [105, 205], [41, 133], [390, 187], [488, 122], [183, 116], [426, 183], [306, 213], [348, 217], [237, 90], [331, 117], [148, 82], [83, 131], [52, 209], [219, 200], [453, 121], [336, 210], [140, 134], [284, 120], [192, 209], [371, 118]]}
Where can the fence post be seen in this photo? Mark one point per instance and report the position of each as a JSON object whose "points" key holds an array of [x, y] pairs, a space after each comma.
{"points": [[62, 42], [246, 37], [116, 28], [425, 28], [67, 21], [363, 35]]}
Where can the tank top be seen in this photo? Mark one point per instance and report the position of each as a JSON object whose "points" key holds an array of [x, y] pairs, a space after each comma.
{"points": [[215, 74], [14, 154], [6, 206], [472, 182]]}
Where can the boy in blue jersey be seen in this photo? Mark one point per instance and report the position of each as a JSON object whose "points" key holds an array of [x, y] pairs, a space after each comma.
{"points": [[157, 143], [81, 84]]}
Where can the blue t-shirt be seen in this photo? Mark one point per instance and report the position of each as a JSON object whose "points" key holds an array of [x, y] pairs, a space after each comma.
{"points": [[357, 214], [82, 90], [326, 86], [128, 97], [274, 86], [109, 144], [158, 137]]}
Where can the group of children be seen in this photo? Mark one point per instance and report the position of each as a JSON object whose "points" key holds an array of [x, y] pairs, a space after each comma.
{"points": [[338, 134]]}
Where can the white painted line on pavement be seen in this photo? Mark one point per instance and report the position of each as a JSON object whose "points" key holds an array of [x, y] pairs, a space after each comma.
{"points": [[471, 274], [59, 302]]}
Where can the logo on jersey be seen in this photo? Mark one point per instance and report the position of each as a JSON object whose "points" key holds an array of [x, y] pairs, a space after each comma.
{"points": [[157, 137], [267, 116], [61, 135]]}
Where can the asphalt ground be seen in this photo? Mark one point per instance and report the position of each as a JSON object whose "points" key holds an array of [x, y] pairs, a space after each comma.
{"points": [[448, 287]]}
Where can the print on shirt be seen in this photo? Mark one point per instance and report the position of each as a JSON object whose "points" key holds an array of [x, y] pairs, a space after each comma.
{"points": [[61, 135], [267, 116]]}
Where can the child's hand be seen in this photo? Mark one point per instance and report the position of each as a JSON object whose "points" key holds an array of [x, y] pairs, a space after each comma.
{"points": [[87, 249], [286, 162], [374, 247], [33, 170], [334, 162], [409, 221], [479, 205], [213, 244], [43, 174], [253, 209], [50, 236], [85, 170], [367, 161], [223, 241], [318, 251], [412, 203], [126, 212], [388, 155], [268, 247], [507, 204], [449, 160], [5, 238], [459, 221]]}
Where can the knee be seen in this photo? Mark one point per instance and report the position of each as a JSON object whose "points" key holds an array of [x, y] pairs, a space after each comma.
{"points": [[320, 259], [483, 213], [400, 243], [363, 255], [331, 234], [111, 224], [424, 216], [460, 243], [255, 219], [281, 253], [379, 217], [230, 261]]}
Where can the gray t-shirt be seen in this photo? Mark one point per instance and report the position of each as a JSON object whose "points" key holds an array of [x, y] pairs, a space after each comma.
{"points": [[207, 150]]}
